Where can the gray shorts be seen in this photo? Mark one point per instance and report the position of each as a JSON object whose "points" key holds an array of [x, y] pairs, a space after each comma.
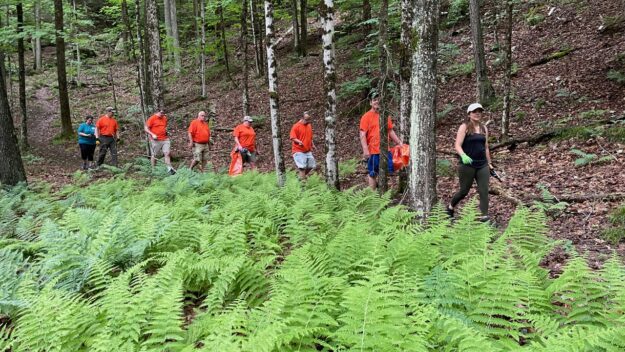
{"points": [[304, 160], [158, 146]]}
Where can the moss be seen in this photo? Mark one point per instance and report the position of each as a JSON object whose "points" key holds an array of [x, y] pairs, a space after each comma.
{"points": [[615, 134]]}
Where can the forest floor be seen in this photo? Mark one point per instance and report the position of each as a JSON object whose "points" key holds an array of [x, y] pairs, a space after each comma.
{"points": [[570, 91]]}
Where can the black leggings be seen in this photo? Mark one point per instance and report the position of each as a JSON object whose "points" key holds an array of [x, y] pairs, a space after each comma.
{"points": [[467, 174], [86, 151]]}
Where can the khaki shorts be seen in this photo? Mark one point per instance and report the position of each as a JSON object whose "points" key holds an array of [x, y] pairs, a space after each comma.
{"points": [[158, 146], [200, 152]]}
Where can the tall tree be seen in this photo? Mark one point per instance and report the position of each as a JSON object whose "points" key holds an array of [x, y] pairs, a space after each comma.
{"points": [[37, 37], [224, 42], [272, 73], [295, 23], [246, 70], [507, 81], [485, 91], [256, 38], [329, 79], [127, 32], [155, 65], [423, 112], [203, 47], [11, 166], [366, 14], [173, 17], [22, 76], [382, 89], [405, 51], [141, 80], [303, 28], [66, 119]]}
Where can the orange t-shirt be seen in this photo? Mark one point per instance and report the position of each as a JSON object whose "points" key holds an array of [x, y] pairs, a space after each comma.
{"points": [[200, 131], [246, 136], [158, 126], [370, 124], [304, 133], [107, 126]]}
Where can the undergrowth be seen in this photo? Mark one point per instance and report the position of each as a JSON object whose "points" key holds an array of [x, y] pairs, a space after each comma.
{"points": [[211, 263]]}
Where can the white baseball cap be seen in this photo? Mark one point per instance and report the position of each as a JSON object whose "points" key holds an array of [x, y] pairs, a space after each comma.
{"points": [[474, 107], [248, 118]]}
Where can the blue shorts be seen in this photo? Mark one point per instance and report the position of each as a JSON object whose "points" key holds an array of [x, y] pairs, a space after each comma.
{"points": [[373, 164]]}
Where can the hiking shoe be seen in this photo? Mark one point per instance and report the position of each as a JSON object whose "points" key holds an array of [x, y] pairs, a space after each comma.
{"points": [[484, 219], [450, 212], [172, 171]]}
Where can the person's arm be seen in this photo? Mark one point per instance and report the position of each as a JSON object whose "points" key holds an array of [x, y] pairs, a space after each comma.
{"points": [[236, 140], [462, 132], [394, 137], [147, 130], [490, 162], [297, 141], [190, 139], [363, 144], [81, 133], [97, 132]]}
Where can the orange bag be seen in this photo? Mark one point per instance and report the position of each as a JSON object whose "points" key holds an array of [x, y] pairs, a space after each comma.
{"points": [[236, 165], [401, 156]]}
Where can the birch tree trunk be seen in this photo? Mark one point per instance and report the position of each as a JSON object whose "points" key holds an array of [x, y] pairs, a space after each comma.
{"points": [[303, 28], [173, 17], [22, 77], [11, 166], [37, 44], [246, 70], [66, 119], [329, 79], [382, 89], [423, 110], [155, 65], [507, 80], [405, 51], [272, 72], [295, 22], [485, 91], [203, 47]]}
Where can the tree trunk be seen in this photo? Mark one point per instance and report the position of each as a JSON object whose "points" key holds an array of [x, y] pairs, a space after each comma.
{"points": [[382, 89], [329, 79], [507, 81], [303, 28], [246, 70], [145, 48], [203, 47], [366, 14], [405, 51], [295, 23], [66, 119], [37, 44], [173, 17], [168, 33], [423, 111], [485, 91], [128, 41], [224, 43], [155, 66], [257, 51], [272, 72], [11, 166], [22, 77], [141, 73]]}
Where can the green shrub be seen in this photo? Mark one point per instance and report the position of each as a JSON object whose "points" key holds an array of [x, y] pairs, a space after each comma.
{"points": [[616, 76], [445, 168], [360, 85], [615, 232], [592, 114], [533, 16], [465, 69], [587, 159], [348, 167], [458, 10], [615, 134]]}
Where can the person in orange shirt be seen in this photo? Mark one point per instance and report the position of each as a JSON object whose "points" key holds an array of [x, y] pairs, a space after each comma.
{"points": [[245, 140], [199, 134], [156, 128], [106, 133], [302, 145], [370, 141]]}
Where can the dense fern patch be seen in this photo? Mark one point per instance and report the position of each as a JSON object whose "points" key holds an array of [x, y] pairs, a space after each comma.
{"points": [[206, 262]]}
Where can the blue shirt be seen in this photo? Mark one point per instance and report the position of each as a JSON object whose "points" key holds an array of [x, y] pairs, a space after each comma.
{"points": [[88, 129]]}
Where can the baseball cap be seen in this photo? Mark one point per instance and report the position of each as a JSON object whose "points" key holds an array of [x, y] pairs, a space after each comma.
{"points": [[248, 118], [474, 107], [110, 108]]}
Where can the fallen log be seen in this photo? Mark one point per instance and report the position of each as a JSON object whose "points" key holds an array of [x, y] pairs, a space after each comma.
{"points": [[569, 198]]}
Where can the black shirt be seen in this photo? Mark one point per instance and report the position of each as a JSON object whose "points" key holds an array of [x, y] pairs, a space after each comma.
{"points": [[474, 145]]}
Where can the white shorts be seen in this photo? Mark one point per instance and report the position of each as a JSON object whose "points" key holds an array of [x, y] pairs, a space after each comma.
{"points": [[304, 160]]}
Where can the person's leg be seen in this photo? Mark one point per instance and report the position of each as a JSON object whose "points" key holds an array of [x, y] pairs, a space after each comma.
{"points": [[310, 163], [483, 178], [166, 150], [103, 147], [90, 152], [252, 159], [156, 149], [113, 147], [466, 175], [373, 167], [83, 155]]}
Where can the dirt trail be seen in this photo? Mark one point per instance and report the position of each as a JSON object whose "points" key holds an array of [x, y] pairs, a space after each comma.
{"points": [[55, 162]]}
